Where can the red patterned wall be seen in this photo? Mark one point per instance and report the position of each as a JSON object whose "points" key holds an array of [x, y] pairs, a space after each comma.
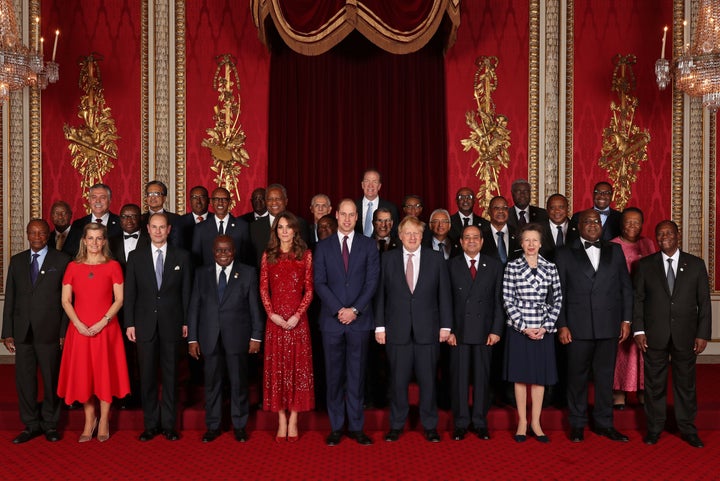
{"points": [[490, 28]]}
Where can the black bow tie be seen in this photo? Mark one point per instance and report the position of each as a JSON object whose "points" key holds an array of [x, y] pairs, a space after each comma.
{"points": [[592, 244], [127, 236]]}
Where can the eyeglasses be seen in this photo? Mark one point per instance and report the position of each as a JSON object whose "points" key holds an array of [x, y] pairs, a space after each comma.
{"points": [[603, 192], [439, 222], [155, 194], [220, 199], [464, 197], [129, 216]]}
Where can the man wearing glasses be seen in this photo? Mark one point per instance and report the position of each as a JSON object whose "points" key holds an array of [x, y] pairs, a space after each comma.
{"points": [[465, 200], [218, 223], [610, 218]]}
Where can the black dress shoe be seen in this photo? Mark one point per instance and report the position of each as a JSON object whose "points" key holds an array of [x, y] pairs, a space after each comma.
{"points": [[542, 438], [693, 440], [393, 435], [520, 438], [171, 435], [333, 438], [483, 433], [651, 438], [459, 434], [241, 435], [52, 435], [148, 434], [26, 436], [577, 435], [611, 434], [432, 436], [211, 435], [360, 437]]}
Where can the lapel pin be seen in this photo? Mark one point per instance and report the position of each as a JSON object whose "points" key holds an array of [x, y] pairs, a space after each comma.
{"points": [[177, 268], [42, 272], [236, 275]]}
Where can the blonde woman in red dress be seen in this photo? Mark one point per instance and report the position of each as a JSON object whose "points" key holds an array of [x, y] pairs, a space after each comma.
{"points": [[93, 365], [286, 288]]}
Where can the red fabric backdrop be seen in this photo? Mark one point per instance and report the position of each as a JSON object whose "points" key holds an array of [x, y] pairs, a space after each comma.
{"points": [[490, 28], [602, 30], [112, 29]]}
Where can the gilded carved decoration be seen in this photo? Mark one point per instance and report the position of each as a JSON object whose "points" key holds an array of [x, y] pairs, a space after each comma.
{"points": [[161, 68], [180, 106], [489, 136], [624, 144], [226, 140], [145, 95], [569, 99], [550, 121], [35, 150], [534, 100], [92, 144]]}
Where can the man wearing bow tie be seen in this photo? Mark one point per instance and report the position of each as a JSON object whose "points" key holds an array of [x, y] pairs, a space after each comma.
{"points": [[595, 317], [610, 219], [157, 294]]}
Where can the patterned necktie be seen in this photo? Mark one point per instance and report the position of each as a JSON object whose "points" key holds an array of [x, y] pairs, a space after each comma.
{"points": [[473, 269], [59, 241], [670, 276], [522, 220], [199, 219], [345, 253], [222, 283], [368, 225], [34, 269], [221, 231], [410, 273], [159, 266], [502, 250], [559, 240]]}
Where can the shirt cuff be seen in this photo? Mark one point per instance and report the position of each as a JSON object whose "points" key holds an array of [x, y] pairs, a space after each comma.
{"points": [[445, 329], [637, 333], [380, 329], [256, 340], [192, 342]]}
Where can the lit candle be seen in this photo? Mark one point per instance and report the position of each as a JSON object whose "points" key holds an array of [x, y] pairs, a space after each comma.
{"points": [[42, 47], [686, 40], [57, 34], [662, 54], [37, 34]]}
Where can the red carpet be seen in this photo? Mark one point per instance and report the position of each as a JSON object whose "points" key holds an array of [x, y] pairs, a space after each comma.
{"points": [[123, 457]]}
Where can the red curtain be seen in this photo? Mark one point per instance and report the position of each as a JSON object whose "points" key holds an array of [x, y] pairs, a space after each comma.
{"points": [[334, 115]]}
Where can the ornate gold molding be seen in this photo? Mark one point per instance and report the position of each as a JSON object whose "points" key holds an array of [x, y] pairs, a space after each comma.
{"points": [[144, 96], [35, 134], [180, 152], [534, 99], [550, 117], [569, 102]]}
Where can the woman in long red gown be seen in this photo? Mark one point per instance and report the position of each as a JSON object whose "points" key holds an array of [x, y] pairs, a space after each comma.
{"points": [[286, 288], [93, 362]]}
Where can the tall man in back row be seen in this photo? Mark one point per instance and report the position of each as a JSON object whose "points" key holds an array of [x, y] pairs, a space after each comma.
{"points": [[672, 326]]}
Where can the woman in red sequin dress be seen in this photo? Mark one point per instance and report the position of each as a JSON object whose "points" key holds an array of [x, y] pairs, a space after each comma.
{"points": [[286, 288], [93, 360], [629, 372]]}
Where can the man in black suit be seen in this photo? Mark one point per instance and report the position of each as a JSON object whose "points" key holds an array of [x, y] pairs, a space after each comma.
{"points": [[370, 201], [346, 275], [61, 215], [595, 316], [478, 321], [557, 230], [319, 206], [439, 239], [611, 219], [185, 226], [155, 195], [412, 205], [276, 202], [522, 212], [465, 200], [99, 198], [218, 223], [672, 323], [225, 324], [413, 314], [157, 293], [33, 329], [383, 230], [257, 201], [499, 239]]}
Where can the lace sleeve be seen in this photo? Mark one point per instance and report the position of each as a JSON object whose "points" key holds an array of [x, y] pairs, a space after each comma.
{"points": [[308, 288], [265, 286]]}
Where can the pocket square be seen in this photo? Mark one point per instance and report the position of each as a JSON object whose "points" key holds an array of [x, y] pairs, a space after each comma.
{"points": [[177, 268]]}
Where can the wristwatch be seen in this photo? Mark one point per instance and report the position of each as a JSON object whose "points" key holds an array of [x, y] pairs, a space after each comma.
{"points": [[355, 311]]}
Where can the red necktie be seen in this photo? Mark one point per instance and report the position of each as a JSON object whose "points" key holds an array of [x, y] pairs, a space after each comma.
{"points": [[410, 273], [473, 270], [345, 253]]}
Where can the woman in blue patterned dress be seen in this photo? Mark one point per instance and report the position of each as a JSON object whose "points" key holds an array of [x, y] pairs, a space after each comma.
{"points": [[532, 299]]}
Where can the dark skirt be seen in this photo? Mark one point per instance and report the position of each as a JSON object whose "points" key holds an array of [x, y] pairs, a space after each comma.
{"points": [[528, 361]]}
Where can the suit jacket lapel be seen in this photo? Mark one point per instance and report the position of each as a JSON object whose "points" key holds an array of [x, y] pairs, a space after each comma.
{"points": [[584, 261]]}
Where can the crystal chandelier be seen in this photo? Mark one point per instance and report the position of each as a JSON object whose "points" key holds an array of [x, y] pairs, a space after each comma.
{"points": [[21, 66]]}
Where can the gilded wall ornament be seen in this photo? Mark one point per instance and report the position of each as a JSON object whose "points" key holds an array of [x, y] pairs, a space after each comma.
{"points": [[624, 144], [92, 144], [489, 135], [226, 140]]}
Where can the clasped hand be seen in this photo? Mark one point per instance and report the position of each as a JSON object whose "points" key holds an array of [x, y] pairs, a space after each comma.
{"points": [[288, 324], [535, 333]]}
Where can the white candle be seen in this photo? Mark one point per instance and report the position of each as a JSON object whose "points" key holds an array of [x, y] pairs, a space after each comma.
{"points": [[662, 54], [57, 34], [37, 34], [686, 39], [42, 47]]}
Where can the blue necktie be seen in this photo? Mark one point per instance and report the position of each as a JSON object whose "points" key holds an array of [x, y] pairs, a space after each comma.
{"points": [[34, 269], [222, 283], [670, 276], [368, 225], [502, 250], [159, 266], [559, 240]]}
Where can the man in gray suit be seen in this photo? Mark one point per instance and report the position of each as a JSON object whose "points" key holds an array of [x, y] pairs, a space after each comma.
{"points": [[672, 323], [33, 329]]}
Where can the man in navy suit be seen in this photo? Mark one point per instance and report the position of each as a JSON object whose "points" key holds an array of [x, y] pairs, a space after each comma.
{"points": [[157, 292], [33, 329], [225, 324], [522, 212], [499, 239], [99, 199], [346, 271], [595, 316], [370, 201], [218, 223], [672, 323], [476, 282], [413, 314], [557, 230], [610, 218]]}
